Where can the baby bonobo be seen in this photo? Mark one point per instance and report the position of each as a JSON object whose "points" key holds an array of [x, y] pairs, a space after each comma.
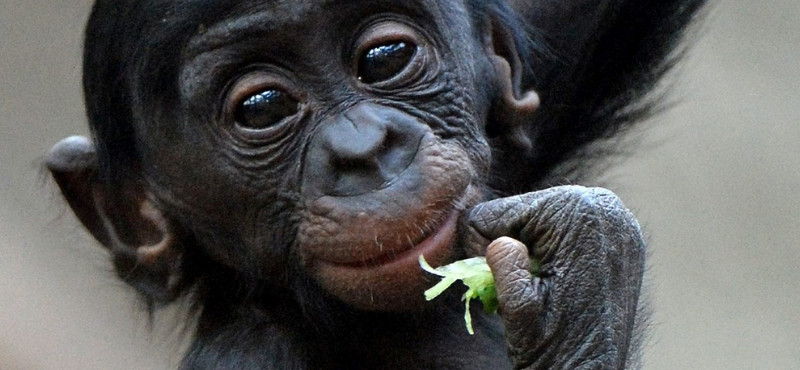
{"points": [[282, 165]]}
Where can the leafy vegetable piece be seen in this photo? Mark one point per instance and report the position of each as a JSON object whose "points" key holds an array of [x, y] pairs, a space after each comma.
{"points": [[475, 274]]}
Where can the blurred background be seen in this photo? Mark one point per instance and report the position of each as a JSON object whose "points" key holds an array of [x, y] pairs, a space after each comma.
{"points": [[715, 181]]}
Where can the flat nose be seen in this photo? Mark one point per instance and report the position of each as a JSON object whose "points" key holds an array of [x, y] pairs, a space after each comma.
{"points": [[356, 140], [362, 149]]}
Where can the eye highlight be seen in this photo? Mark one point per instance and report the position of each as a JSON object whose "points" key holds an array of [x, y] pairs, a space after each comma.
{"points": [[265, 109], [385, 61]]}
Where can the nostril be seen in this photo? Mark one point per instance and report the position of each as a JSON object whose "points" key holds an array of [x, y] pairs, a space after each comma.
{"points": [[396, 153], [355, 165]]}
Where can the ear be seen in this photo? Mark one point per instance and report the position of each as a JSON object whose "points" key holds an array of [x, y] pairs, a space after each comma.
{"points": [[513, 109], [146, 248]]}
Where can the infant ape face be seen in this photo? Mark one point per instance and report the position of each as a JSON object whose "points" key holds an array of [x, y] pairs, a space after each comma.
{"points": [[320, 141]]}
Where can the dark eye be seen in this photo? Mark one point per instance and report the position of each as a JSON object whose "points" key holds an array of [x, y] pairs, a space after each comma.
{"points": [[385, 61], [265, 109]]}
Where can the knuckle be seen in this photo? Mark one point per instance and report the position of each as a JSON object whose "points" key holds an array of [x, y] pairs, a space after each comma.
{"points": [[600, 204], [611, 209], [595, 213], [491, 209], [586, 200], [486, 216]]}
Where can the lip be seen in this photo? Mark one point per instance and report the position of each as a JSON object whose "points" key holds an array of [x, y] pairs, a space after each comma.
{"points": [[441, 238]]}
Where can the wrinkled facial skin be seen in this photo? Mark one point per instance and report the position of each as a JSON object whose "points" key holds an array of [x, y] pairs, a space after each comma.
{"points": [[343, 148]]}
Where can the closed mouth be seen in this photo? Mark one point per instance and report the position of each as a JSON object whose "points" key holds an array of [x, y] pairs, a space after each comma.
{"points": [[440, 237]]}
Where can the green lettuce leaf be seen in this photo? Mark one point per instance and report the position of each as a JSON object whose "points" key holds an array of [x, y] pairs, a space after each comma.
{"points": [[475, 274]]}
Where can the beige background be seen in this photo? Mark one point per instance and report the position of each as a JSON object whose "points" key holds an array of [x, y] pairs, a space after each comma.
{"points": [[715, 182]]}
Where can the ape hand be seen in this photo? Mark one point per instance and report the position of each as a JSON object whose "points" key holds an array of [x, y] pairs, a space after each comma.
{"points": [[580, 311]]}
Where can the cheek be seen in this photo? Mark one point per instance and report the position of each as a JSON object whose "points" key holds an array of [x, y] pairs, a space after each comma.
{"points": [[239, 212], [467, 117], [479, 154]]}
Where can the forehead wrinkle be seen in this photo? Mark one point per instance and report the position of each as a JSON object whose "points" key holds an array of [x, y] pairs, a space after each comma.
{"points": [[233, 29], [259, 18], [264, 17]]}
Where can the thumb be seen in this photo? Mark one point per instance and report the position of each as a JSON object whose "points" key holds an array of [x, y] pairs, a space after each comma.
{"points": [[520, 295], [510, 264]]}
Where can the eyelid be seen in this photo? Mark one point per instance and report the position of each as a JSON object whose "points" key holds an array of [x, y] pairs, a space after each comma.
{"points": [[249, 84], [382, 34], [253, 83]]}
